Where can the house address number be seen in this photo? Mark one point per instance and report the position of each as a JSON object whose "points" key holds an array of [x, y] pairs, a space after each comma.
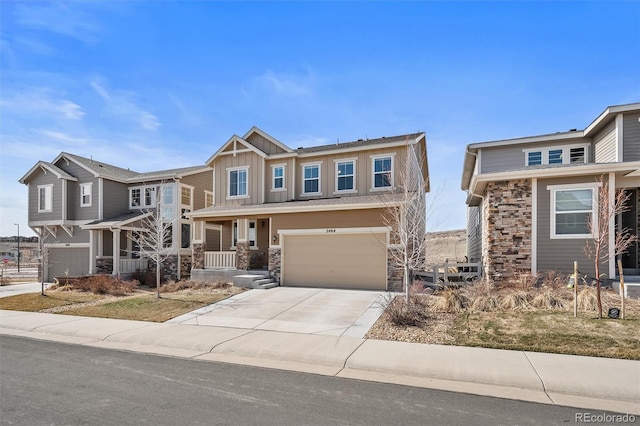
{"points": [[331, 231]]}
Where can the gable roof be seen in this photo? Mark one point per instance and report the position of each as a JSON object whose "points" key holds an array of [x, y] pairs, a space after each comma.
{"points": [[61, 174], [267, 136], [97, 168], [362, 143], [235, 139]]}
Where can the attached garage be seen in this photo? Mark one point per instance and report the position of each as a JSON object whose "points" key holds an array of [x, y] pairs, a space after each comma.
{"points": [[67, 261], [335, 258]]}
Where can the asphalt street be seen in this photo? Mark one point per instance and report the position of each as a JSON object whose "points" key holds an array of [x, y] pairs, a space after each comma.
{"points": [[55, 383]]}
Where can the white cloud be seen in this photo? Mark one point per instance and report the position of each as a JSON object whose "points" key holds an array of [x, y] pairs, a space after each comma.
{"points": [[282, 84], [43, 101], [120, 103], [61, 18]]}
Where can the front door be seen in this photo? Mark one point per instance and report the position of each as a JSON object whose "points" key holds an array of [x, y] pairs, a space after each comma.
{"points": [[630, 220]]}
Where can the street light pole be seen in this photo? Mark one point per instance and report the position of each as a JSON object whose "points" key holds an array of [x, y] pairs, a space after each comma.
{"points": [[18, 225]]}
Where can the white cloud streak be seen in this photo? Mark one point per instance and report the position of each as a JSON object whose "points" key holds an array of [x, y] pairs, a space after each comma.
{"points": [[119, 103], [43, 101]]}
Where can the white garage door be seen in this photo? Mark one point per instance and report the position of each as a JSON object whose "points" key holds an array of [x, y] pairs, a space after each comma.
{"points": [[357, 261]]}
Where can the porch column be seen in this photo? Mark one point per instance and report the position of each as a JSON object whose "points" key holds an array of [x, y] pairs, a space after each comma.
{"points": [[116, 252], [198, 244], [242, 245], [93, 239], [612, 227]]}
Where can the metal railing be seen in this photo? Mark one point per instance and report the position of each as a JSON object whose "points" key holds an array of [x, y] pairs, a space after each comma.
{"points": [[220, 259]]}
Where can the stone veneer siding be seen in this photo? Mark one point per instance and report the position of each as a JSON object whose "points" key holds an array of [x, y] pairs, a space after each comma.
{"points": [[169, 270], [395, 275], [275, 262], [185, 266], [243, 255], [104, 265], [197, 256], [507, 220]]}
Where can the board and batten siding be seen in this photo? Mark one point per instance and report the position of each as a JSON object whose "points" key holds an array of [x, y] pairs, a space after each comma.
{"points": [[559, 254], [200, 182], [264, 145], [278, 196], [604, 144], [255, 178], [40, 178], [115, 198], [631, 137], [74, 211], [474, 233]]}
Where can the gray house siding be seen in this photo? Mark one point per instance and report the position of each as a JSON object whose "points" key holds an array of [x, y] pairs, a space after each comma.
{"points": [[474, 233], [79, 236], [631, 137], [512, 157], [604, 144], [74, 211], [115, 199], [55, 214], [559, 254]]}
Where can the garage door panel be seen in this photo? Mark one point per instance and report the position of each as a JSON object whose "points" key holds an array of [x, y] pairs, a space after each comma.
{"points": [[335, 260], [67, 261]]}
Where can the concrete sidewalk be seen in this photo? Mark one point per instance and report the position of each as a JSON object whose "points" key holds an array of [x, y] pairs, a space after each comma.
{"points": [[585, 382]]}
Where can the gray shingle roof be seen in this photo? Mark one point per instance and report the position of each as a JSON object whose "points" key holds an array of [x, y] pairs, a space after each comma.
{"points": [[103, 169], [359, 143]]}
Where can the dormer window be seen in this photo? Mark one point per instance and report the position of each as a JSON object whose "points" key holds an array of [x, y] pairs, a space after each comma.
{"points": [[571, 154]]}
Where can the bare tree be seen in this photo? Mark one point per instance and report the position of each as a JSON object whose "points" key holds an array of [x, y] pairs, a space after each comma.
{"points": [[154, 237], [405, 216], [598, 247], [45, 254]]}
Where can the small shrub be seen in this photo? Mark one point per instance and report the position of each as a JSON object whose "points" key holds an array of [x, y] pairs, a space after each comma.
{"points": [[173, 286], [554, 280], [451, 299], [513, 300], [547, 299], [401, 313], [105, 284], [485, 303]]}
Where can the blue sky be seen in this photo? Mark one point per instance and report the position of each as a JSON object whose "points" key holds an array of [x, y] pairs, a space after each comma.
{"points": [[157, 85]]}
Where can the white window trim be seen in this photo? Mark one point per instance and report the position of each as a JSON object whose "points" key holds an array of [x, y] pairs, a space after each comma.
{"points": [[233, 169], [48, 198], [355, 186], [566, 153], [593, 186], [319, 165], [373, 172], [207, 194], [273, 177], [234, 223], [190, 188], [88, 185]]}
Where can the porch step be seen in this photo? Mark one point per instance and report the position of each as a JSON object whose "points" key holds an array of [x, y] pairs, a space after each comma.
{"points": [[254, 281]]}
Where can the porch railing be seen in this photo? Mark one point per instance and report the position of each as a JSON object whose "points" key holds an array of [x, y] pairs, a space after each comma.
{"points": [[220, 259], [128, 266]]}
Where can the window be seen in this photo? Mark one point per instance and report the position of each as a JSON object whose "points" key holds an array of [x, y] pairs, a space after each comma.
{"points": [[278, 178], [252, 233], [556, 155], [85, 194], [167, 194], [345, 175], [572, 207], [186, 193], [382, 172], [134, 197], [534, 158], [45, 198], [167, 240], [185, 229], [149, 196], [238, 182], [208, 198], [311, 179], [577, 155]]}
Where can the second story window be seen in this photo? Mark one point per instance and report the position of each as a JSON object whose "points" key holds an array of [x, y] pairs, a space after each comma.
{"points": [[149, 197], [311, 179], [208, 198], [142, 197], [556, 155], [278, 178], [382, 172], [45, 198], [237, 179], [345, 175], [85, 194]]}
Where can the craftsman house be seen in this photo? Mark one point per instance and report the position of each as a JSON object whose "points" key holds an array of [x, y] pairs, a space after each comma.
{"points": [[306, 216], [529, 198], [85, 212]]}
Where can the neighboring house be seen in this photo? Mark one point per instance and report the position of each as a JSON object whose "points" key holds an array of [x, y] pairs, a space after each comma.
{"points": [[307, 216], [86, 211], [529, 198]]}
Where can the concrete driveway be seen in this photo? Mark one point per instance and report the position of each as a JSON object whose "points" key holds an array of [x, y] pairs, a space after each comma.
{"points": [[297, 310], [22, 288]]}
